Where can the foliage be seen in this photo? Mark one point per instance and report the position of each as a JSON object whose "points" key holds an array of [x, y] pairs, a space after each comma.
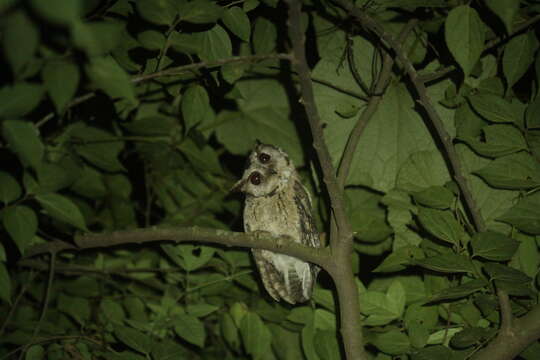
{"points": [[127, 114]]}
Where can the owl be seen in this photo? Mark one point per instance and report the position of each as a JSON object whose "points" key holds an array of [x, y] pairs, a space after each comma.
{"points": [[278, 203]]}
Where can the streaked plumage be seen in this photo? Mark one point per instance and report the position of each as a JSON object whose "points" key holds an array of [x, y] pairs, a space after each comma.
{"points": [[277, 202]]}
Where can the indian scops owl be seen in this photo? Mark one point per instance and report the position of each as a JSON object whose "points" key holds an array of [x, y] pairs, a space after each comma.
{"points": [[278, 203]]}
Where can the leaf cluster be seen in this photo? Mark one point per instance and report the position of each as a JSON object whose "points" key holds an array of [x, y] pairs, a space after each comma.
{"points": [[129, 114]]}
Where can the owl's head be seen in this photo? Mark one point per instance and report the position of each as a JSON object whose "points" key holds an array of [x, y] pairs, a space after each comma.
{"points": [[268, 170]]}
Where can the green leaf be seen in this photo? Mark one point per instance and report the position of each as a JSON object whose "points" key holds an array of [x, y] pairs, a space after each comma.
{"points": [[506, 273], [494, 246], [5, 284], [62, 209], [422, 170], [20, 40], [19, 99], [447, 263], [459, 291], [379, 309], [516, 171], [23, 139], [190, 329], [112, 311], [263, 115], [465, 35], [308, 341], [505, 10], [195, 256], [518, 56], [532, 114], [400, 257], [232, 72], [396, 297], [441, 224], [35, 352], [152, 40], [230, 331], [134, 339], [215, 44], [61, 79], [327, 345], [160, 12], [500, 140], [195, 104], [324, 320], [200, 11], [471, 336], [264, 36], [392, 342], [201, 310], [525, 215], [89, 183], [527, 255], [96, 38], [255, 335], [76, 307], [10, 189], [98, 147], [107, 75], [185, 43], [59, 11], [437, 197], [21, 224], [53, 177], [438, 352], [493, 108], [237, 22]]}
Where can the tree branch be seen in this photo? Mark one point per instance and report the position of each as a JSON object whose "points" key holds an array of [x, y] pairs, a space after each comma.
{"points": [[512, 340], [369, 110], [341, 241], [371, 24], [308, 100], [257, 240], [206, 64]]}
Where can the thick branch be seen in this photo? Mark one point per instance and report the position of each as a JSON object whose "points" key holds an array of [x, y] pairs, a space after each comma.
{"points": [[194, 234], [308, 99], [372, 25], [511, 341]]}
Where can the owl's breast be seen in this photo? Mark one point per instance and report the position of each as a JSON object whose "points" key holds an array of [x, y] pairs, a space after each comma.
{"points": [[277, 214]]}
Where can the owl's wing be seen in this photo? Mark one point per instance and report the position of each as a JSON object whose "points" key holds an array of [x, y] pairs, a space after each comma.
{"points": [[309, 234]]}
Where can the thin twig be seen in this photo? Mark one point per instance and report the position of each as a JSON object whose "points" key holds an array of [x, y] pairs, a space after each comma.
{"points": [[490, 44], [208, 64], [369, 110], [15, 303]]}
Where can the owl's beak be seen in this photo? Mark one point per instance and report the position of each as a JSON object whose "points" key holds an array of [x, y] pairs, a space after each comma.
{"points": [[239, 186]]}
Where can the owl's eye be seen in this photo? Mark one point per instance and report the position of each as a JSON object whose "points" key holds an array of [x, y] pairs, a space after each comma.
{"points": [[264, 158], [255, 178]]}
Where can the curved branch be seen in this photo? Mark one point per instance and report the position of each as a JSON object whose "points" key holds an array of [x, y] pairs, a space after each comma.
{"points": [[369, 111], [455, 165], [512, 340], [259, 240]]}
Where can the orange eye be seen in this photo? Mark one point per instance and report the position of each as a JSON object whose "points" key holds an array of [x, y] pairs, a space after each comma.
{"points": [[264, 158], [255, 178]]}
